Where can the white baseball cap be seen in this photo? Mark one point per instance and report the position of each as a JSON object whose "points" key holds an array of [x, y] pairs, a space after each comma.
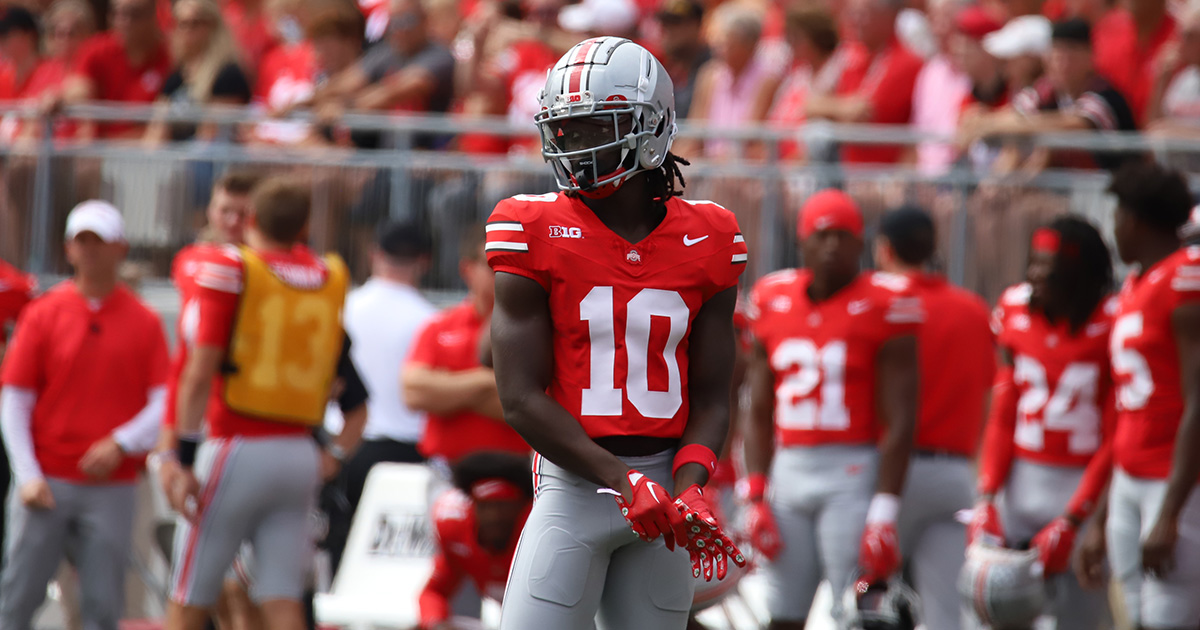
{"points": [[1024, 35], [610, 17], [98, 217]]}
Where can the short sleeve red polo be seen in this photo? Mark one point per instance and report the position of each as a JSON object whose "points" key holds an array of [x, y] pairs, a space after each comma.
{"points": [[104, 63], [886, 80], [91, 370], [450, 341]]}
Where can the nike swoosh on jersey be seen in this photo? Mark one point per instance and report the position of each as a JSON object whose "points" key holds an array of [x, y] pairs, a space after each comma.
{"points": [[688, 242]]}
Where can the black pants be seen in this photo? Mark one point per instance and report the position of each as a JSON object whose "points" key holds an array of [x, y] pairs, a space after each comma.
{"points": [[354, 478]]}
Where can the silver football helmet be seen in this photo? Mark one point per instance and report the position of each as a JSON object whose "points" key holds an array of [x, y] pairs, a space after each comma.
{"points": [[608, 113], [890, 605], [1004, 587]]}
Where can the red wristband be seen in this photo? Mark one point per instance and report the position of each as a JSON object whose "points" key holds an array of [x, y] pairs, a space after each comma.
{"points": [[695, 454], [756, 487]]}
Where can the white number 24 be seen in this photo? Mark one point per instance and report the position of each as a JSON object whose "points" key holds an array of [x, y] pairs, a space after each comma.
{"points": [[1072, 408]]}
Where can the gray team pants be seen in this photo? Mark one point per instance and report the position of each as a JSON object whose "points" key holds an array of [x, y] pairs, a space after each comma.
{"points": [[93, 525], [260, 490], [931, 538], [578, 561], [819, 497], [1035, 495], [1170, 601]]}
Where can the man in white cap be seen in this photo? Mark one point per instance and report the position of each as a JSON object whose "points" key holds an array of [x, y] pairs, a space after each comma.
{"points": [[1022, 44], [83, 394]]}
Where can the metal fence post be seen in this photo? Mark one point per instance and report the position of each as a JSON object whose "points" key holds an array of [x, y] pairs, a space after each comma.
{"points": [[767, 259], [42, 213], [400, 205], [958, 249]]}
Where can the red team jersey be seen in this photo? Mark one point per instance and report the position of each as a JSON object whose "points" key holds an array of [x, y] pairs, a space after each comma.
{"points": [[450, 341], [16, 291], [823, 354], [1054, 407], [459, 556], [218, 286], [621, 311], [1145, 363], [183, 275]]}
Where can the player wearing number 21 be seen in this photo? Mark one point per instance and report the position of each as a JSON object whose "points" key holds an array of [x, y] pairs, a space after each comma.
{"points": [[260, 372], [1048, 442], [612, 337], [1154, 508], [835, 349]]}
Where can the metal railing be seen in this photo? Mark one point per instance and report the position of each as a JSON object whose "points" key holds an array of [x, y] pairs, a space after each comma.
{"points": [[984, 221]]}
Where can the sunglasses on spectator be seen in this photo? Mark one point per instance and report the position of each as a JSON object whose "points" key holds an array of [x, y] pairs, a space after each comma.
{"points": [[132, 13], [71, 30], [191, 23]]}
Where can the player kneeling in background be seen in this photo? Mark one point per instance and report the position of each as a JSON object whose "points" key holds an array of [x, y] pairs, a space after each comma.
{"points": [[260, 372], [477, 524]]}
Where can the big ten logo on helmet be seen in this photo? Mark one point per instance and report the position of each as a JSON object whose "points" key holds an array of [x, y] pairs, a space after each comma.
{"points": [[401, 536], [558, 231]]}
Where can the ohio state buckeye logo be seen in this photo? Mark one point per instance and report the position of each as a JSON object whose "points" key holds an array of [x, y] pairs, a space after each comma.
{"points": [[633, 257]]}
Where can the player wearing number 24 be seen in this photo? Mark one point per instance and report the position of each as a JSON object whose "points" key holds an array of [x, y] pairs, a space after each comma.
{"points": [[613, 345], [1048, 442], [833, 390]]}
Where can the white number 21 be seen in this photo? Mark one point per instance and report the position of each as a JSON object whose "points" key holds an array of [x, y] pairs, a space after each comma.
{"points": [[603, 397]]}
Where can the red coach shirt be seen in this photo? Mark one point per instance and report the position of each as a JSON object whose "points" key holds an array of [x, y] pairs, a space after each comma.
{"points": [[16, 291], [1145, 363], [957, 366], [450, 341], [218, 286], [91, 370], [1124, 61], [621, 310], [104, 63], [460, 556], [887, 81], [823, 354]]}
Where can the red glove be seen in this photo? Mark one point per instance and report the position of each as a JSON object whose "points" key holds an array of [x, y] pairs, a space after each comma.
{"points": [[1054, 544], [985, 523], [706, 542], [879, 552], [651, 513], [764, 533]]}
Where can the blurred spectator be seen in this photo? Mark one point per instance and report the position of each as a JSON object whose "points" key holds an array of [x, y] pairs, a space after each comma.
{"points": [[1010, 9], [443, 20], [817, 64], [595, 18], [249, 22], [209, 70], [942, 85], [1133, 36], [406, 71], [1022, 45], [1174, 105], [728, 83], [287, 76], [127, 65], [1070, 97], [19, 53], [683, 50], [1090, 11], [877, 85], [989, 85]]}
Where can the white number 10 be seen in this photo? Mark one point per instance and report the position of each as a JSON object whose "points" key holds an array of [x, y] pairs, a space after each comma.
{"points": [[603, 398]]}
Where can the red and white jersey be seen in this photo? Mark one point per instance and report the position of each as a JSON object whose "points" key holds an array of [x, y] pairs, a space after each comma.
{"points": [[622, 312], [459, 556], [1145, 363], [1061, 380], [823, 354], [183, 275]]}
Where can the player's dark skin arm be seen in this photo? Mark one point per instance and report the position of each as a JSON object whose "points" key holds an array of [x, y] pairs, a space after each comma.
{"points": [[897, 396], [1158, 550], [1089, 559], [523, 351], [758, 433], [711, 355]]}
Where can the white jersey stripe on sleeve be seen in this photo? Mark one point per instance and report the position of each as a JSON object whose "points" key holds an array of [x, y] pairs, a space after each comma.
{"points": [[504, 226], [738, 238], [506, 247], [739, 258]]}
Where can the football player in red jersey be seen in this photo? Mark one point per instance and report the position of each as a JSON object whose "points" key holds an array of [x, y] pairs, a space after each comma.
{"points": [[477, 526], [1154, 511], [835, 349], [613, 343], [955, 350], [16, 291], [1048, 443]]}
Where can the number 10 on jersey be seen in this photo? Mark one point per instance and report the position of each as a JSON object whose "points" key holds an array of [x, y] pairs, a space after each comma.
{"points": [[603, 397]]}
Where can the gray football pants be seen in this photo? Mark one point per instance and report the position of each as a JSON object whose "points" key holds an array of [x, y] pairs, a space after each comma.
{"points": [[1170, 601], [91, 523], [1035, 495], [578, 563], [932, 540], [260, 490], [819, 497]]}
